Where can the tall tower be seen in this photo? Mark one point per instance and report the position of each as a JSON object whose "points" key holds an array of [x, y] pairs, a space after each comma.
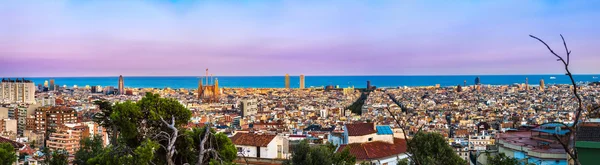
{"points": [[216, 87], [46, 83], [368, 85], [477, 80], [542, 85], [200, 89], [121, 85], [301, 81], [526, 83], [287, 81], [51, 87]]}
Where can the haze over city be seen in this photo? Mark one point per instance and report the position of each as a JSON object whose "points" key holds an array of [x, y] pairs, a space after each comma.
{"points": [[182, 38]]}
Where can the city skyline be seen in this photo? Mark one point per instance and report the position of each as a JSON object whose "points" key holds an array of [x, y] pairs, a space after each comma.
{"points": [[181, 38]]}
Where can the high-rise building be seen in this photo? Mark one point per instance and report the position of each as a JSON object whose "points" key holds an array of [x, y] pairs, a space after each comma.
{"points": [[477, 80], [51, 86], [526, 83], [121, 85], [109, 90], [67, 138], [368, 84], [287, 81], [17, 91], [301, 81], [46, 84], [542, 85], [51, 118], [248, 107]]}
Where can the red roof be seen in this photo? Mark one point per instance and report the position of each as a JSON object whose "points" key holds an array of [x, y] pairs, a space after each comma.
{"points": [[376, 149], [249, 139], [15, 144], [359, 129]]}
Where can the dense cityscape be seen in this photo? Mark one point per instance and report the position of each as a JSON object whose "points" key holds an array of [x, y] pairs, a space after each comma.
{"points": [[293, 82], [265, 124]]}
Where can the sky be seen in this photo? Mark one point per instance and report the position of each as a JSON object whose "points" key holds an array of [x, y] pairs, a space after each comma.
{"points": [[73, 38]]}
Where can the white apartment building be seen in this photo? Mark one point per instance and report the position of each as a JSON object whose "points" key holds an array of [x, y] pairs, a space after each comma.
{"points": [[17, 91]]}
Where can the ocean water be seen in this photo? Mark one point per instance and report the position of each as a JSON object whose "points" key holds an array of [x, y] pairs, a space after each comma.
{"points": [[342, 81]]}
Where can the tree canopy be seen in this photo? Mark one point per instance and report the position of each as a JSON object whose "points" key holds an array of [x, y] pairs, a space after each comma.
{"points": [[7, 154], [432, 148], [321, 154], [151, 131]]}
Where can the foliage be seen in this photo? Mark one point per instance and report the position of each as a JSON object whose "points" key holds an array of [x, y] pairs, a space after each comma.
{"points": [[103, 119], [403, 162], [125, 117], [7, 154], [59, 157], [224, 146], [344, 158], [89, 148], [111, 155], [322, 154], [356, 107], [136, 129], [432, 148]]}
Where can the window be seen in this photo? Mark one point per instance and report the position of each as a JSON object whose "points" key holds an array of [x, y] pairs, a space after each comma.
{"points": [[239, 149]]}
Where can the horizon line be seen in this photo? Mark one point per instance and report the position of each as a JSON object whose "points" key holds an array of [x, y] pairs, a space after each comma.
{"points": [[535, 74]]}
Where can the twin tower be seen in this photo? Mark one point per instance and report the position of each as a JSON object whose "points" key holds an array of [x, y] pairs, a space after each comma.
{"points": [[287, 81]]}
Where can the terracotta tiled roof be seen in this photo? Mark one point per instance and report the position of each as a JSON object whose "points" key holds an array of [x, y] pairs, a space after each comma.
{"points": [[15, 144], [376, 149], [249, 139], [359, 129]]}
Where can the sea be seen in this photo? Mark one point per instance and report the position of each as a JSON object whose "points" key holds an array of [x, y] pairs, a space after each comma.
{"points": [[315, 81]]}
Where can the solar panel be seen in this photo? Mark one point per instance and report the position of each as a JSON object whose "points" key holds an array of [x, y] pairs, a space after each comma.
{"points": [[384, 130]]}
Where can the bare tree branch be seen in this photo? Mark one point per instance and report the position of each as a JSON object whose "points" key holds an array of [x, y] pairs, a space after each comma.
{"points": [[570, 148], [403, 127], [171, 139]]}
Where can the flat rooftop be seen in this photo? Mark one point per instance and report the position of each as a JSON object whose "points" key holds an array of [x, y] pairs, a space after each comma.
{"points": [[525, 139]]}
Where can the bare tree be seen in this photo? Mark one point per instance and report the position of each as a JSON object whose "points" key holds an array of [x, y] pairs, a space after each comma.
{"points": [[171, 138], [568, 146], [210, 150]]}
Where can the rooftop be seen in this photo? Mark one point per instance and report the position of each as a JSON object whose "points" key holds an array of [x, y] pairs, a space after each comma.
{"points": [[376, 149], [250, 139], [359, 129]]}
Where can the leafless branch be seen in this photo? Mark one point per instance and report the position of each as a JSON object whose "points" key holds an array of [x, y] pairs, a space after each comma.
{"points": [[171, 139], [570, 148], [403, 127]]}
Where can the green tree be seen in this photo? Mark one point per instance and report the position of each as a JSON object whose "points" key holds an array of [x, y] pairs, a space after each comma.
{"points": [[59, 157], [225, 148], [7, 154], [300, 155], [344, 158], [103, 119], [89, 148], [125, 117], [141, 155], [322, 154], [432, 148]]}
